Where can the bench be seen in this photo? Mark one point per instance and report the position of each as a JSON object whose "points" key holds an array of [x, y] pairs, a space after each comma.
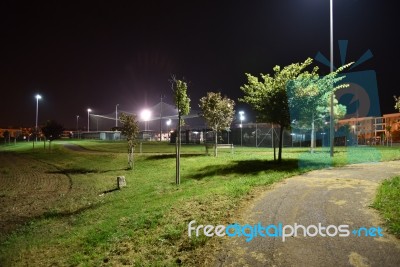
{"points": [[211, 146]]}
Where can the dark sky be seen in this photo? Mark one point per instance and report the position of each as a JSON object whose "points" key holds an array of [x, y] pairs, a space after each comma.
{"points": [[97, 54]]}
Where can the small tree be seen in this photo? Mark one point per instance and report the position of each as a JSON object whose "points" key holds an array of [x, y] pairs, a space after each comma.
{"points": [[389, 135], [182, 103], [269, 96], [52, 130], [218, 111], [6, 136], [130, 129], [309, 99], [397, 102]]}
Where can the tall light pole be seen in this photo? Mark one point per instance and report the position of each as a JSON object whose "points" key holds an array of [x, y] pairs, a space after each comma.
{"points": [[37, 114], [116, 116], [161, 117], [241, 116], [88, 111], [332, 115]]}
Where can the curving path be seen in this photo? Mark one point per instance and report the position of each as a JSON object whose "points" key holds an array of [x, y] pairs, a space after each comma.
{"points": [[331, 197]]}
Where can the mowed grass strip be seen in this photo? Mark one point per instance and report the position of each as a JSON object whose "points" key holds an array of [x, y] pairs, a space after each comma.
{"points": [[387, 201], [146, 222]]}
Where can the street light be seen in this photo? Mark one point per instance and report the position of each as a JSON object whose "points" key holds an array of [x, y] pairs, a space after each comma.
{"points": [[169, 124], [77, 125], [145, 114], [37, 114], [355, 132], [116, 116], [332, 132], [88, 111], [241, 116]]}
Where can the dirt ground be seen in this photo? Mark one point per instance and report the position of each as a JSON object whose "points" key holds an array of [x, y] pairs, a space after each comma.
{"points": [[28, 189]]}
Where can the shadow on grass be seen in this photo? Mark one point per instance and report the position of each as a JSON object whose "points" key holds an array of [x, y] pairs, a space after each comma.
{"points": [[84, 171], [170, 156], [245, 167], [61, 214]]}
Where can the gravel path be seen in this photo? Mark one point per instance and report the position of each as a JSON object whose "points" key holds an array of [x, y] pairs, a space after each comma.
{"points": [[337, 196]]}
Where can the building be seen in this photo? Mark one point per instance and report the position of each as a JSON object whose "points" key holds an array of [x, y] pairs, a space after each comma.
{"points": [[372, 130]]}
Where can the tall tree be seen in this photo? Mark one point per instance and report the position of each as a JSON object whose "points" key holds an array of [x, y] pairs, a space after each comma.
{"points": [[52, 130], [309, 99], [269, 96], [130, 129], [218, 111], [182, 103]]}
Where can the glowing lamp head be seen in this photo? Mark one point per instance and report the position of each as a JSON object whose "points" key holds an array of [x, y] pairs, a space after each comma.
{"points": [[145, 114], [38, 97], [241, 115]]}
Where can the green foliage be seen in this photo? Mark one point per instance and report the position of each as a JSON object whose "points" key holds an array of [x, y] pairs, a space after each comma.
{"points": [[397, 103], [130, 130], [182, 101], [269, 96], [52, 130], [309, 98], [218, 111]]}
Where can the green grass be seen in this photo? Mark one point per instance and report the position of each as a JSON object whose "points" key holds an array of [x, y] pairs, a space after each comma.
{"points": [[145, 223], [387, 201]]}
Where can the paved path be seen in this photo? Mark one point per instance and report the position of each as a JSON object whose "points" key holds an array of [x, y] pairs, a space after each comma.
{"points": [[332, 197]]}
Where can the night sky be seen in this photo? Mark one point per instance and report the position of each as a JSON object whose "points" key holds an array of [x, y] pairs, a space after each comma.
{"points": [[80, 54]]}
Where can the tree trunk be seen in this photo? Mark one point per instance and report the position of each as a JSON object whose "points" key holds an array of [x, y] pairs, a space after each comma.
{"points": [[280, 143], [312, 134], [215, 143], [178, 152], [130, 158], [273, 143]]}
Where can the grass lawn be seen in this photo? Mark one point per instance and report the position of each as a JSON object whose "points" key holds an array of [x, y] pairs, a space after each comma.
{"points": [[145, 223], [387, 201]]}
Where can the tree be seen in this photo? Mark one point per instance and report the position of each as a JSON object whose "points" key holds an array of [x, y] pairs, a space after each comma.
{"points": [[218, 112], [397, 102], [52, 130], [389, 135], [182, 103], [309, 99], [269, 96], [130, 129], [6, 136]]}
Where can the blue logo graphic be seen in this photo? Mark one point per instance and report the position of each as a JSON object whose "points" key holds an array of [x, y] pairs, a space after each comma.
{"points": [[361, 97]]}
